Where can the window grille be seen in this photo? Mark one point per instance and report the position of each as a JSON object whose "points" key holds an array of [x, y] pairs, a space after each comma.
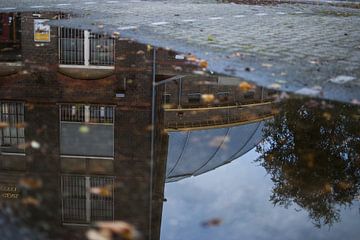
{"points": [[102, 204], [71, 46], [86, 113], [82, 204], [72, 113], [81, 47], [101, 50], [12, 116]]}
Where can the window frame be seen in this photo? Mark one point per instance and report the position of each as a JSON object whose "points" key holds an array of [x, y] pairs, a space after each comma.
{"points": [[12, 114]]}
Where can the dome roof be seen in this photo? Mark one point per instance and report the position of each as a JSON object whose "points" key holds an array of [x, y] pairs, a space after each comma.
{"points": [[191, 153]]}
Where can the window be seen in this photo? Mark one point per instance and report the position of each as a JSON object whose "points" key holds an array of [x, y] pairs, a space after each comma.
{"points": [[87, 198], [12, 131], [81, 47], [10, 37], [87, 131], [223, 96], [249, 95], [194, 98], [166, 98]]}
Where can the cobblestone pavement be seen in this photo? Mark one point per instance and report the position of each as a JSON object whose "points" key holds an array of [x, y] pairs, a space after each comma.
{"points": [[309, 49]]}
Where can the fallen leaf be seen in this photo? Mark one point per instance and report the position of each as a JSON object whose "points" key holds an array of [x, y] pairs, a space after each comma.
{"points": [[212, 222], [245, 86]]}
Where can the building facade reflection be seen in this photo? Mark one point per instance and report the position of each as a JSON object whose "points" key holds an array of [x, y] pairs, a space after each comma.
{"points": [[85, 137]]}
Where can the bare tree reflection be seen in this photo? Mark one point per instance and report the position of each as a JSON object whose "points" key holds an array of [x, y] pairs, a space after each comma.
{"points": [[311, 150]]}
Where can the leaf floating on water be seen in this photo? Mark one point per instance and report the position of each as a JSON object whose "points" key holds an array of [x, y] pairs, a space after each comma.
{"points": [[327, 116], [20, 125], [30, 183], [207, 98], [309, 91], [4, 125], [212, 222], [113, 230], [191, 58], [197, 72], [274, 86], [203, 64], [245, 86], [116, 34], [249, 69], [84, 129], [149, 48], [101, 191], [266, 65], [177, 68], [211, 38], [149, 128], [30, 201], [35, 144], [327, 188], [342, 79], [280, 81]]}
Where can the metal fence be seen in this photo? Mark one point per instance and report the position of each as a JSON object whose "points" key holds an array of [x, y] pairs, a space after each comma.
{"points": [[83, 202], [12, 119], [86, 113], [80, 47]]}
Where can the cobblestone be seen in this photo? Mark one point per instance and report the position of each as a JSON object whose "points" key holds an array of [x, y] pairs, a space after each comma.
{"points": [[307, 45]]}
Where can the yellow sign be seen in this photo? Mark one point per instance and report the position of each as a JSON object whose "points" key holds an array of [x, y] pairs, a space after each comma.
{"points": [[9, 192], [9, 195], [41, 30]]}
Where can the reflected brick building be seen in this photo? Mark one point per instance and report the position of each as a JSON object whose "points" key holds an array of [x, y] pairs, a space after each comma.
{"points": [[78, 110]]}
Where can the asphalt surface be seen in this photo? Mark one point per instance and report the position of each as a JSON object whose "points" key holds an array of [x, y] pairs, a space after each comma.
{"points": [[304, 48]]}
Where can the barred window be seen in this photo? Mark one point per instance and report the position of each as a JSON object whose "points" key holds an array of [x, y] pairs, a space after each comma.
{"points": [[101, 50], [87, 198], [12, 131], [71, 46], [81, 47], [87, 130], [86, 113]]}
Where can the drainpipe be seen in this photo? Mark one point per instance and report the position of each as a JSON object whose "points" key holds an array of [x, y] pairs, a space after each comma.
{"points": [[152, 140]]}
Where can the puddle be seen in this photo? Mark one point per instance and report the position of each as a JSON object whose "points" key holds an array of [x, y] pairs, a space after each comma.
{"points": [[103, 137]]}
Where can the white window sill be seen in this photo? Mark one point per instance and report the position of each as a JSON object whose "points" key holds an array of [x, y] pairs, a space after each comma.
{"points": [[86, 66], [90, 157]]}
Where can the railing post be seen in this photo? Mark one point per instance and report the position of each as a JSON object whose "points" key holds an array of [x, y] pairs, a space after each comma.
{"points": [[88, 203], [86, 48]]}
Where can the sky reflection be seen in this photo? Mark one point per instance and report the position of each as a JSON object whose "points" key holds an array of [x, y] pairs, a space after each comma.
{"points": [[238, 193]]}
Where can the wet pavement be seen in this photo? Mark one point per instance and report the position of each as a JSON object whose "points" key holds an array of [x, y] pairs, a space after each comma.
{"points": [[124, 127], [275, 46]]}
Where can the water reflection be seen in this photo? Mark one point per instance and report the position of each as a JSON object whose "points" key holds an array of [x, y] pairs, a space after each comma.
{"points": [[311, 150], [92, 125]]}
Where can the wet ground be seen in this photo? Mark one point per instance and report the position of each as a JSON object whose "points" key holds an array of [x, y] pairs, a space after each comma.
{"points": [[169, 124]]}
